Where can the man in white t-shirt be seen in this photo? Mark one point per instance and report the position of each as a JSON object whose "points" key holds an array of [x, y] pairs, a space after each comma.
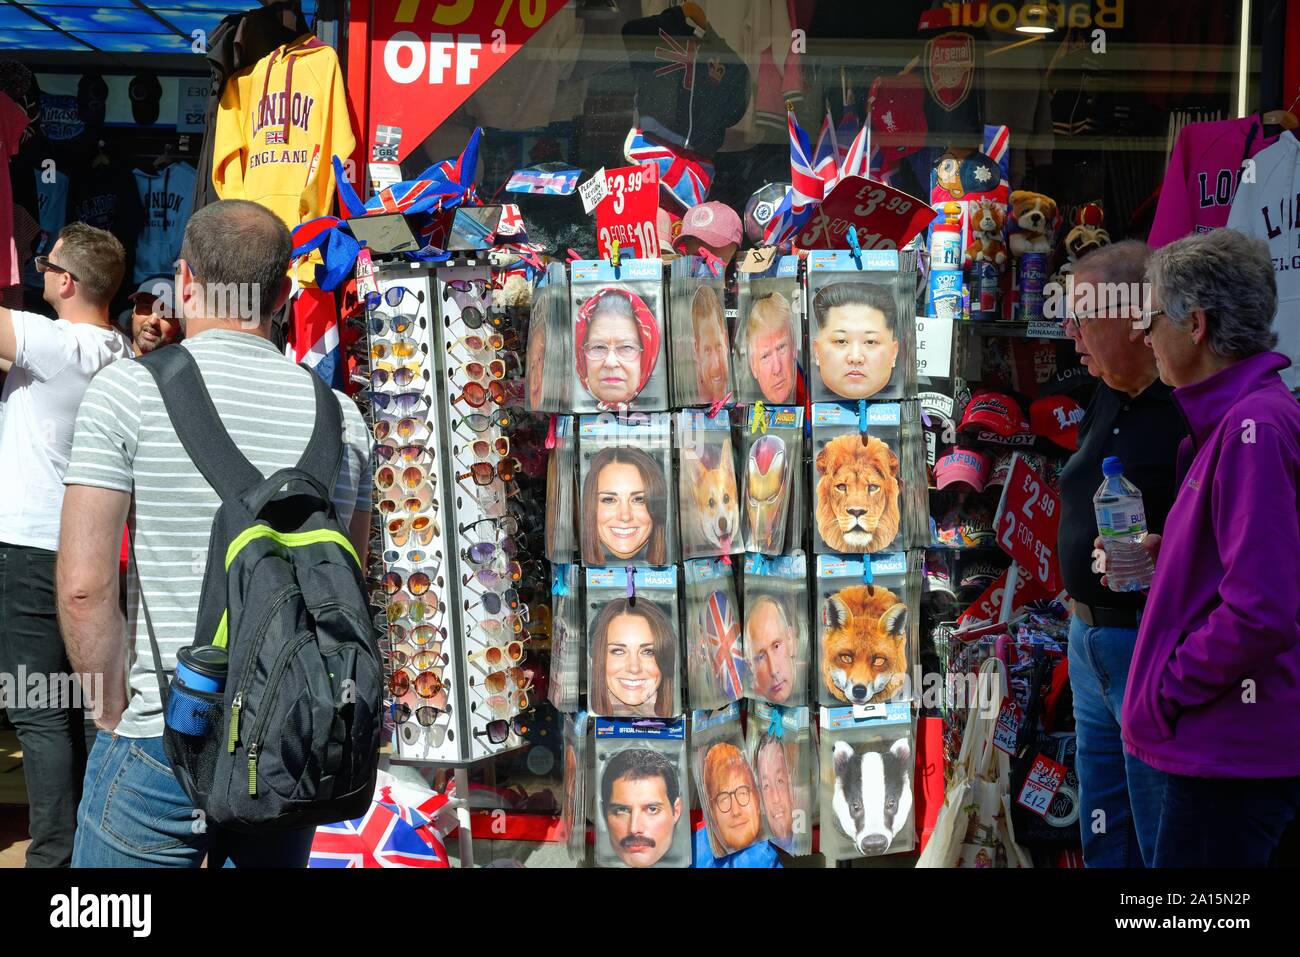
{"points": [[49, 364]]}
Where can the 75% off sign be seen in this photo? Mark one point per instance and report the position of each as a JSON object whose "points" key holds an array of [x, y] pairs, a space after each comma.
{"points": [[1028, 515]]}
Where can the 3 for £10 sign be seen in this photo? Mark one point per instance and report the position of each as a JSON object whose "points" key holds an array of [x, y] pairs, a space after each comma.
{"points": [[884, 217], [1028, 516], [628, 213]]}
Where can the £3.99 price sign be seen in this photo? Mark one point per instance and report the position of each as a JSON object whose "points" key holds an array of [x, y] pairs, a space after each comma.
{"points": [[629, 211], [1027, 518]]}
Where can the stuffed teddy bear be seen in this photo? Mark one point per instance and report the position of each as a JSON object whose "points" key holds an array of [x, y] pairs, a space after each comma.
{"points": [[1035, 221], [988, 219]]}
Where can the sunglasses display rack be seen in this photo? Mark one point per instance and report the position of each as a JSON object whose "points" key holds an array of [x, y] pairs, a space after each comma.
{"points": [[453, 626]]}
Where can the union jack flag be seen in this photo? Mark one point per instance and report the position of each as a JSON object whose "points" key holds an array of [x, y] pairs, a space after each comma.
{"points": [[849, 125], [722, 636], [825, 156], [678, 57], [808, 187], [855, 161], [384, 837], [684, 176]]}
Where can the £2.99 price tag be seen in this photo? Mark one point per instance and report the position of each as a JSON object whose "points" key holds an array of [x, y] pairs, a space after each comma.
{"points": [[1045, 778], [1026, 524], [629, 212]]}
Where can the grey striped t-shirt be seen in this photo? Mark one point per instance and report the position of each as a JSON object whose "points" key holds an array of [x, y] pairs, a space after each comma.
{"points": [[124, 440]]}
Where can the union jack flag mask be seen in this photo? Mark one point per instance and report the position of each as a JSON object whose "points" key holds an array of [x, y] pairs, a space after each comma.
{"points": [[722, 636]]}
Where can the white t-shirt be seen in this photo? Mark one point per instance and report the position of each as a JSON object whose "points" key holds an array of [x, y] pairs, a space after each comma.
{"points": [[53, 364]]}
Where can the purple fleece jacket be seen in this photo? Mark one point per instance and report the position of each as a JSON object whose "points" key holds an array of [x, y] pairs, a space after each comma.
{"points": [[1214, 688]]}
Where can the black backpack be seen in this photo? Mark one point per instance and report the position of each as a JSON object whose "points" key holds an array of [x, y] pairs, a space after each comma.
{"points": [[293, 740]]}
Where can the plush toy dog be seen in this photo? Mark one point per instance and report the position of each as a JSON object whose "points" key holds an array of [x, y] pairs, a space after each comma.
{"points": [[988, 220], [1035, 220]]}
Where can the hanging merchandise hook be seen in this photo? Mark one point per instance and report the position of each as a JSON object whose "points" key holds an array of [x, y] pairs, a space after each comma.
{"points": [[550, 432], [560, 582], [854, 246], [868, 577], [631, 583], [862, 416], [776, 722], [759, 422]]}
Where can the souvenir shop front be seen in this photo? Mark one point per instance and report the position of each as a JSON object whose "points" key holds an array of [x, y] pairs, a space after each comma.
{"points": [[745, 348]]}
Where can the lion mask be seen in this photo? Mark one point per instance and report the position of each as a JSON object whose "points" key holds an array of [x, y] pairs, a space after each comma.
{"points": [[857, 494]]}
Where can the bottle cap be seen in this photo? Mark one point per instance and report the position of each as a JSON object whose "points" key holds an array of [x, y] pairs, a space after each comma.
{"points": [[1111, 466]]}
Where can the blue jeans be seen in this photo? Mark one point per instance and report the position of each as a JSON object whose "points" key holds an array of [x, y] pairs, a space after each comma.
{"points": [[1224, 822], [134, 813], [1127, 791]]}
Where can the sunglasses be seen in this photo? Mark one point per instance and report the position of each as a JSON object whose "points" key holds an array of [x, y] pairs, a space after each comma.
{"points": [[500, 629], [417, 582], [480, 345], [498, 655], [420, 500], [415, 556], [401, 529], [410, 476], [474, 318], [504, 706], [482, 553], [383, 324], [476, 287], [478, 422], [425, 715], [416, 609], [405, 453], [398, 348], [401, 377], [406, 428], [476, 396], [493, 602], [497, 680], [484, 472], [392, 296], [482, 372], [421, 635], [434, 733], [498, 731], [44, 265], [399, 402], [493, 580], [482, 448], [426, 684], [418, 660]]}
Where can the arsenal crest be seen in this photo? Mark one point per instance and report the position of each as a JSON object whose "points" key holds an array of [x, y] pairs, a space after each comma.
{"points": [[950, 68]]}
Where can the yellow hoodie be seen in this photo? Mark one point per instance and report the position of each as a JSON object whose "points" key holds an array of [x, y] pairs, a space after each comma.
{"points": [[278, 125]]}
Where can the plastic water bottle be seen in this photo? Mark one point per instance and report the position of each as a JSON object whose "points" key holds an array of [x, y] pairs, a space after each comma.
{"points": [[1122, 525]]}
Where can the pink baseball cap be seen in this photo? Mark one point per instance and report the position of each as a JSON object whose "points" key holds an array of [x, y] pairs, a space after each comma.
{"points": [[967, 466], [713, 224]]}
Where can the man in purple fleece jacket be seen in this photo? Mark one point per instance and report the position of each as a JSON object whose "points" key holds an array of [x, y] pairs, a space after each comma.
{"points": [[1213, 694]]}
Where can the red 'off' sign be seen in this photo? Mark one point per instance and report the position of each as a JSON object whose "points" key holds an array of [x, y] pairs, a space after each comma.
{"points": [[430, 56], [1026, 523], [628, 213], [884, 217]]}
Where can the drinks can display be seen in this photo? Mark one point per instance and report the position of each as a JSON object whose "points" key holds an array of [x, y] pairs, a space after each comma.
{"points": [[1033, 278], [985, 291]]}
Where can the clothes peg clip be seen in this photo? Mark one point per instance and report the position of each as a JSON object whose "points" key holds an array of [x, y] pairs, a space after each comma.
{"points": [[862, 416], [854, 247], [868, 577], [714, 263], [550, 432], [631, 582], [719, 406], [613, 255], [759, 422], [572, 254], [725, 559], [560, 579]]}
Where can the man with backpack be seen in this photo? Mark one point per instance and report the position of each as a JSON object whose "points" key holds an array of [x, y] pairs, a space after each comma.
{"points": [[193, 442]]}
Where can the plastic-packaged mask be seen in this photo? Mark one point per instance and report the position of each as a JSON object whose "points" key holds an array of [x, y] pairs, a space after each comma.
{"points": [[700, 341], [772, 444], [867, 767], [862, 325], [724, 781], [642, 794], [867, 628], [715, 657], [632, 643], [768, 350], [776, 629], [573, 815], [561, 479], [708, 495], [567, 659], [784, 759], [548, 388], [627, 506], [618, 334]]}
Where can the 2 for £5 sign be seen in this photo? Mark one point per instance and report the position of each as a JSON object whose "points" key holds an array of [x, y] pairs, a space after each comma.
{"points": [[629, 212], [430, 56], [1026, 523]]}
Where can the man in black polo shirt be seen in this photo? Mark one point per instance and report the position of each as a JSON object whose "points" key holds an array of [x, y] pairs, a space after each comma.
{"points": [[1132, 416]]}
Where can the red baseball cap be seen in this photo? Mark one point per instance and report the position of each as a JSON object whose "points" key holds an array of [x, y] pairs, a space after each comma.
{"points": [[1057, 419], [996, 412]]}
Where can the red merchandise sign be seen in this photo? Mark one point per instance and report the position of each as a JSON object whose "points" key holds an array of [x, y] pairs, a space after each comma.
{"points": [[885, 218], [629, 211], [427, 57], [1026, 524], [988, 606]]}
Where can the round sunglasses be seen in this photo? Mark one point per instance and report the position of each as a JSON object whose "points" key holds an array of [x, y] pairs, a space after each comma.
{"points": [[383, 323], [498, 655], [479, 422], [397, 348], [493, 602], [392, 296], [476, 396], [480, 345], [407, 428], [402, 529], [401, 453], [415, 582], [402, 403], [402, 376], [483, 553], [426, 684], [483, 473]]}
